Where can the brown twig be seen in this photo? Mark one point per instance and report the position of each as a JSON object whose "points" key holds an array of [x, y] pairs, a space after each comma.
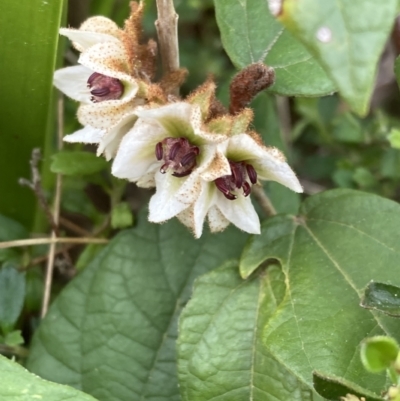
{"points": [[263, 200], [46, 241], [56, 215], [36, 185], [74, 227], [167, 31]]}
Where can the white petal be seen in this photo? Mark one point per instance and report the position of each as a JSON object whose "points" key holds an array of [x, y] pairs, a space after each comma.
{"points": [[190, 188], [240, 212], [136, 153], [83, 40], [108, 59], [205, 200], [111, 140], [182, 119], [87, 134], [146, 181], [269, 163], [216, 220], [163, 204], [180, 110], [105, 115], [217, 168], [73, 82], [100, 24], [270, 168]]}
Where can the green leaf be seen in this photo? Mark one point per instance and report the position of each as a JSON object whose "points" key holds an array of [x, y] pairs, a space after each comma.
{"points": [[382, 297], [220, 348], [251, 34], [29, 33], [121, 216], [394, 138], [341, 240], [17, 384], [112, 331], [364, 178], [10, 230], [379, 353], [12, 293], [332, 388], [14, 338], [347, 37], [87, 255], [77, 163]]}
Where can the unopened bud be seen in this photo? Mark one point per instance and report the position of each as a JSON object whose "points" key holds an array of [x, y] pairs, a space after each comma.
{"points": [[248, 83]]}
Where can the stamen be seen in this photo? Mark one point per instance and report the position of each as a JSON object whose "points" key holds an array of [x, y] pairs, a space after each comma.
{"points": [[179, 155], [188, 158], [104, 88], [159, 151], [246, 189], [174, 150], [252, 173], [240, 172]]}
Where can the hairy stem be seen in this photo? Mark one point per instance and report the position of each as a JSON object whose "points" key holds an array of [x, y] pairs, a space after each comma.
{"points": [[263, 200]]}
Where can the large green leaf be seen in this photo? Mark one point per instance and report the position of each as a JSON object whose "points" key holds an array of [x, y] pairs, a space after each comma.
{"points": [[112, 331], [251, 34], [77, 163], [28, 53], [347, 37], [221, 354], [341, 241], [10, 230], [17, 384], [12, 294]]}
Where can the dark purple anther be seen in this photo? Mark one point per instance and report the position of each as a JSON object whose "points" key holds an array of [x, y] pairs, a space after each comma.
{"points": [[252, 173], [159, 151], [104, 88], [179, 156], [240, 172]]}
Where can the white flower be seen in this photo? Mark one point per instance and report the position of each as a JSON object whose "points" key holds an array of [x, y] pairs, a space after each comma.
{"points": [[168, 147], [224, 198], [103, 83]]}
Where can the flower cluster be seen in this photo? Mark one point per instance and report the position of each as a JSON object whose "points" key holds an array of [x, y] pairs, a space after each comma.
{"points": [[202, 160]]}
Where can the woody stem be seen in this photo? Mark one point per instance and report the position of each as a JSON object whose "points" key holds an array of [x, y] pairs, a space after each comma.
{"points": [[167, 31]]}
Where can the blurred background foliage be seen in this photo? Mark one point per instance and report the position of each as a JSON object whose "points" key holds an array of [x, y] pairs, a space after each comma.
{"points": [[326, 144]]}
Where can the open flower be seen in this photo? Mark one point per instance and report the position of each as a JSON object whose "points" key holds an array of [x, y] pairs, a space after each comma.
{"points": [[169, 148], [224, 198], [108, 80]]}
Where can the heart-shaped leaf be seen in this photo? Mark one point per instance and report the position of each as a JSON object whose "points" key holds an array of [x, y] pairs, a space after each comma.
{"points": [[221, 352], [342, 240], [112, 331], [17, 384], [251, 34], [347, 37]]}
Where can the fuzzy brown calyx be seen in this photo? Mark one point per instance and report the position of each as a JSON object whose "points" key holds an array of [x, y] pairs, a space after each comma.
{"points": [[173, 80], [248, 83], [141, 57]]}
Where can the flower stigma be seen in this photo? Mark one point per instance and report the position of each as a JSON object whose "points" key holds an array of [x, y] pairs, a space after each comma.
{"points": [[241, 171], [104, 88], [178, 154]]}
